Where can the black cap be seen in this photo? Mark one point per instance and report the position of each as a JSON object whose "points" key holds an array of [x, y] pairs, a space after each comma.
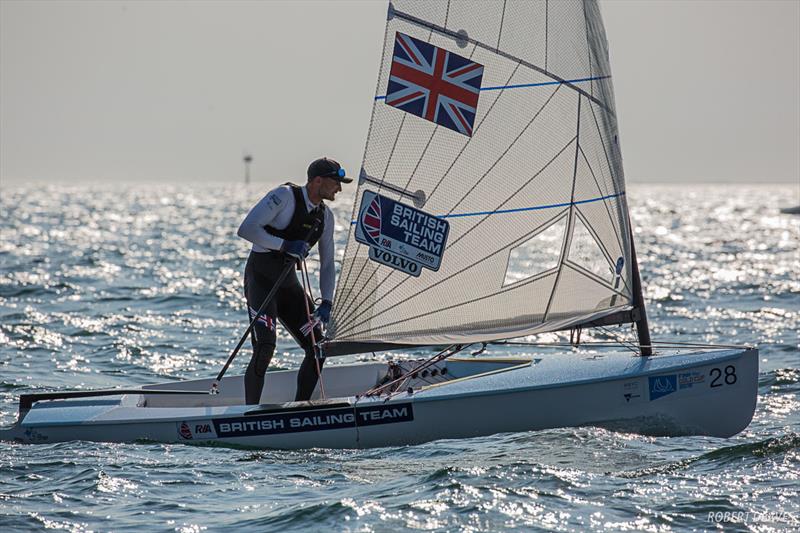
{"points": [[327, 168]]}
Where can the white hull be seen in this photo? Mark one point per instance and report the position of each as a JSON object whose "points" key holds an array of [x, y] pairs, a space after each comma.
{"points": [[708, 393]]}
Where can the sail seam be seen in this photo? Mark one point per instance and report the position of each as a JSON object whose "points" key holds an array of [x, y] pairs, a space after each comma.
{"points": [[519, 242], [571, 219], [520, 239], [594, 277], [538, 277], [363, 160], [574, 139], [474, 132], [435, 188], [454, 35], [588, 46], [531, 208], [380, 186], [623, 222], [546, 30], [500, 32], [601, 191], [477, 183], [526, 85], [606, 255], [508, 148], [425, 150], [411, 177]]}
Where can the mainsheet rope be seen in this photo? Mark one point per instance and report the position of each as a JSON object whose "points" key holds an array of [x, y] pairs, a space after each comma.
{"points": [[401, 380], [307, 291]]}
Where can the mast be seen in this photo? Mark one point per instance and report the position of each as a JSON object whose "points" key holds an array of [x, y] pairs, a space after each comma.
{"points": [[642, 327]]}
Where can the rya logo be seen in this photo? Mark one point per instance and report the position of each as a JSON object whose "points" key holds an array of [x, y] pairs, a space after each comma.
{"points": [[185, 431]]}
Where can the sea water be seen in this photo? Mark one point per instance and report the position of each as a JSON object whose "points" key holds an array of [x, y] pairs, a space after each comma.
{"points": [[107, 286]]}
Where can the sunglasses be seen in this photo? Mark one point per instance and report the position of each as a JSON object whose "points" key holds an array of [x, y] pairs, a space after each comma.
{"points": [[334, 174]]}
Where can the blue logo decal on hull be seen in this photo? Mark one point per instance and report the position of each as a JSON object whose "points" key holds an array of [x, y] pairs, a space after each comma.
{"points": [[662, 385]]}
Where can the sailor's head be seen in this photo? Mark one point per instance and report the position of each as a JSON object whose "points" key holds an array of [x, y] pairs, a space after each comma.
{"points": [[325, 177]]}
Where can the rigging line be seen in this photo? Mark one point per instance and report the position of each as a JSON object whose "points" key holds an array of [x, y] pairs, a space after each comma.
{"points": [[454, 35], [438, 358], [508, 148], [441, 180], [570, 220], [605, 204], [526, 85], [514, 193], [623, 342], [443, 280], [402, 377]]}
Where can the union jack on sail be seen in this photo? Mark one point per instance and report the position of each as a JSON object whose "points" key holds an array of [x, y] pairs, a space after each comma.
{"points": [[434, 84]]}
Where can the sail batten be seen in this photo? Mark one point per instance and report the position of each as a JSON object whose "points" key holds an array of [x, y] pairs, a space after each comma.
{"points": [[497, 119]]}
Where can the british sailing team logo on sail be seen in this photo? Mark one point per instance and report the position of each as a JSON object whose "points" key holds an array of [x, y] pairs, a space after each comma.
{"points": [[399, 236]]}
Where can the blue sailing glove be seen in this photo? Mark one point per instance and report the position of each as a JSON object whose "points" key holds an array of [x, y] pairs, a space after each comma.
{"points": [[323, 312], [296, 249]]}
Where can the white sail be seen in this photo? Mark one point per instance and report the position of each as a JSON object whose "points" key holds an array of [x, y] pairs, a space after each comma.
{"points": [[532, 188]]}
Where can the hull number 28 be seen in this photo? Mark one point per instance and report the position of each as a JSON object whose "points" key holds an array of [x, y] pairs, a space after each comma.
{"points": [[721, 377]]}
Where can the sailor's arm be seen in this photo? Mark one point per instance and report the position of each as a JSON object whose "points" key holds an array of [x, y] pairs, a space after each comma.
{"points": [[262, 214], [327, 270]]}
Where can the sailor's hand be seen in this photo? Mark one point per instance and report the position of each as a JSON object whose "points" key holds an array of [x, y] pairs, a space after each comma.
{"points": [[296, 249], [323, 312]]}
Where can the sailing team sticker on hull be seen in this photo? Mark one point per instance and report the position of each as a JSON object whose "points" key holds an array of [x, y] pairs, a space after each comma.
{"points": [[400, 236], [312, 420]]}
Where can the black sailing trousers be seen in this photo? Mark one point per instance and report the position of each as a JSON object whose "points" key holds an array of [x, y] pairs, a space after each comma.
{"points": [[260, 274]]}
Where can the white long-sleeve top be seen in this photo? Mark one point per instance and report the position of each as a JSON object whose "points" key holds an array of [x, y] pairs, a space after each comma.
{"points": [[276, 209]]}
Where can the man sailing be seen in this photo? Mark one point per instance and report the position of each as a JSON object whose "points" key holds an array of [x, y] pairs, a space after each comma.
{"points": [[283, 226]]}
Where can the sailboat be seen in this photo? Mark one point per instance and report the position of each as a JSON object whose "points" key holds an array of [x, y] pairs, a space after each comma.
{"points": [[491, 206]]}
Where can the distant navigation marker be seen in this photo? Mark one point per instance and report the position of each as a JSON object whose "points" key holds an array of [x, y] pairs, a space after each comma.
{"points": [[247, 160]]}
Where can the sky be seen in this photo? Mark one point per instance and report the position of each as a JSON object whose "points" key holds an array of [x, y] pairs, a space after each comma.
{"points": [[179, 91]]}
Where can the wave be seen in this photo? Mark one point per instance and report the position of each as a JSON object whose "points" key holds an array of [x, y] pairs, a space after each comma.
{"points": [[773, 446], [779, 380]]}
